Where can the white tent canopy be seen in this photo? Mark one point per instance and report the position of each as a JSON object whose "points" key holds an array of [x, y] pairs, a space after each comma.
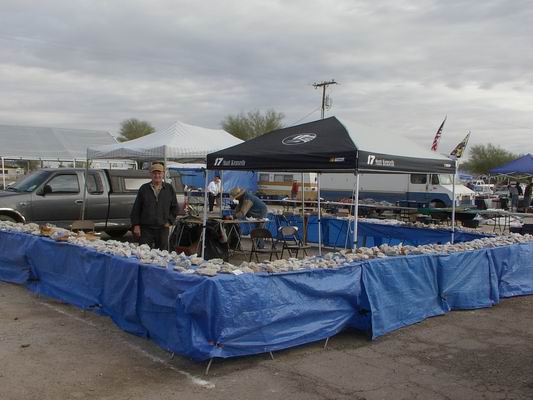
{"points": [[41, 143], [177, 142]]}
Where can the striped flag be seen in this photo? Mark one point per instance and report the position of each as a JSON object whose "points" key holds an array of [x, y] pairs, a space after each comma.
{"points": [[457, 153], [438, 135]]}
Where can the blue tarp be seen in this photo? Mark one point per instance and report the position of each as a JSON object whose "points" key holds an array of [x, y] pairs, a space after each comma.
{"points": [[522, 165], [194, 177], [334, 232], [228, 316]]}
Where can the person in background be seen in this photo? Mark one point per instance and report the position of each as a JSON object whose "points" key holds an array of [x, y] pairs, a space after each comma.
{"points": [[527, 194], [249, 204], [513, 194], [154, 210], [294, 192], [213, 191]]}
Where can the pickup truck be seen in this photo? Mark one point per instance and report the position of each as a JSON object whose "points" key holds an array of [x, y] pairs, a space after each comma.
{"points": [[56, 196]]}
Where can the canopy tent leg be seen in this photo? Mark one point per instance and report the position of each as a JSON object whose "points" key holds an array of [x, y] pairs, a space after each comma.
{"points": [[303, 195], [453, 202], [271, 355], [204, 224], [3, 175], [221, 194], [326, 344], [85, 178], [356, 213], [349, 229], [319, 217]]}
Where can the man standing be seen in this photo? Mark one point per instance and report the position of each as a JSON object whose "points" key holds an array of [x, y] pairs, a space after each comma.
{"points": [[154, 210], [213, 191]]}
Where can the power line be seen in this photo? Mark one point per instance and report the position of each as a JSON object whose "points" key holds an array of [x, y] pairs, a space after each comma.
{"points": [[305, 116]]}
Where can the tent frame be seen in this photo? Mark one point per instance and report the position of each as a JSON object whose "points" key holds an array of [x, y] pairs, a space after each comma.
{"points": [[356, 211]]}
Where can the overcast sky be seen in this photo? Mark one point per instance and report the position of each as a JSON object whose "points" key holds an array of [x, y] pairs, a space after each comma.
{"points": [[401, 65]]}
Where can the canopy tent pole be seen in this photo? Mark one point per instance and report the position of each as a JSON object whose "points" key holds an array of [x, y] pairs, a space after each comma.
{"points": [[303, 194], [319, 217], [3, 175], [349, 228], [165, 164], [204, 219], [85, 178], [356, 213], [221, 194], [453, 201]]}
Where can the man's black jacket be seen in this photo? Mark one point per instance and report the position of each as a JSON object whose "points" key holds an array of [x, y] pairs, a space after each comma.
{"points": [[151, 212]]}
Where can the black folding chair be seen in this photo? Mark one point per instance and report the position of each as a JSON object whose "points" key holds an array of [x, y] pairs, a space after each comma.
{"points": [[288, 236], [262, 235]]}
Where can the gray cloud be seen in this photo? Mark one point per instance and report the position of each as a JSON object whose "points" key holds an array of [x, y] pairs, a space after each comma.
{"points": [[401, 65]]}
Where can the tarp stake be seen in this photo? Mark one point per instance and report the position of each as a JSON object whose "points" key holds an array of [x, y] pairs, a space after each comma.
{"points": [[208, 366]]}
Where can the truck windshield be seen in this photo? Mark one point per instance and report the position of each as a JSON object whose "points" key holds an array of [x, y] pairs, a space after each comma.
{"points": [[29, 183], [445, 179]]}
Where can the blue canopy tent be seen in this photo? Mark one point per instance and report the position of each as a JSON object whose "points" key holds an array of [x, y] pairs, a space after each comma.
{"points": [[521, 167]]}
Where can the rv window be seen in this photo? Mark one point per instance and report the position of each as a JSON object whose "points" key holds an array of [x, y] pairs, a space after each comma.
{"points": [[419, 179], [434, 179], [263, 177], [282, 178]]}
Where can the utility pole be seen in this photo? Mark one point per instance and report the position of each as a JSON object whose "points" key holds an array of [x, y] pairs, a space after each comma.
{"points": [[324, 85]]}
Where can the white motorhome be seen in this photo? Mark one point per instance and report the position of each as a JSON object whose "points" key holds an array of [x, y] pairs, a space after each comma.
{"points": [[430, 190], [277, 185]]}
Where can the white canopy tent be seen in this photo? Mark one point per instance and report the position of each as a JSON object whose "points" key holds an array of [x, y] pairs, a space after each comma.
{"points": [[48, 144], [179, 141]]}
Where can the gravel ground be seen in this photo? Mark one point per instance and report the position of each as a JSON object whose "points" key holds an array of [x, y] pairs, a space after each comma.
{"points": [[50, 350]]}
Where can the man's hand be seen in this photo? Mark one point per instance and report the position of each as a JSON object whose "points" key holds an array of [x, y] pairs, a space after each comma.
{"points": [[167, 225], [137, 230]]}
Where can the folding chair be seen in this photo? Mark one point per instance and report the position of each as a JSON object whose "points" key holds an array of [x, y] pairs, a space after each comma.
{"points": [[261, 234], [288, 235], [85, 226]]}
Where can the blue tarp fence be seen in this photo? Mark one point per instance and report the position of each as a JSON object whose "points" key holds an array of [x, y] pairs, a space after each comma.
{"points": [[228, 315], [339, 232]]}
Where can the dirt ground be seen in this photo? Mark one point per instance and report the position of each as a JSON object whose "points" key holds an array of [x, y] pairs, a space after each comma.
{"points": [[50, 350]]}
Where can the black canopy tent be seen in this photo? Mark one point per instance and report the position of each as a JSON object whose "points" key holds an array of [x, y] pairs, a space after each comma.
{"points": [[328, 146]]}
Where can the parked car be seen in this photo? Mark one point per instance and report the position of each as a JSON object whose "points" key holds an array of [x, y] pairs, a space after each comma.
{"points": [[56, 196]]}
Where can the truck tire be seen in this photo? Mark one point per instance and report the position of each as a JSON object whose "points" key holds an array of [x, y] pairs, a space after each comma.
{"points": [[437, 204], [4, 217], [117, 233]]}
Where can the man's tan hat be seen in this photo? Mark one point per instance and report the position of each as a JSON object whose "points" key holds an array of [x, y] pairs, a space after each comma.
{"points": [[236, 192], [157, 167]]}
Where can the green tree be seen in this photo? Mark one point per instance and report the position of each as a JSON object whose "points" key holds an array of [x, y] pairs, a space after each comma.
{"points": [[484, 157], [253, 124], [133, 128]]}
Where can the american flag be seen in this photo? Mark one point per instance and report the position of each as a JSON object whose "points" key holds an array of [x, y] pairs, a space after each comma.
{"points": [[460, 148], [438, 135]]}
